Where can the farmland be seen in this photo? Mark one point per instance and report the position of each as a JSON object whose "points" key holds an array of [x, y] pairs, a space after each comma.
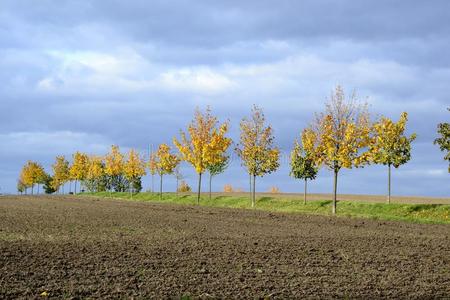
{"points": [[78, 247]]}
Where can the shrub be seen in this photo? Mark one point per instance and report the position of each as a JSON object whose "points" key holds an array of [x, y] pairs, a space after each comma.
{"points": [[184, 187], [274, 190], [227, 188]]}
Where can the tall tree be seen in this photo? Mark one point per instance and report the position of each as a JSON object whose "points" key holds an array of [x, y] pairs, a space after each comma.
{"points": [[164, 163], [444, 140], [79, 168], [205, 143], [134, 169], [216, 169], [114, 163], [303, 165], [390, 146], [60, 172], [343, 133], [259, 155]]}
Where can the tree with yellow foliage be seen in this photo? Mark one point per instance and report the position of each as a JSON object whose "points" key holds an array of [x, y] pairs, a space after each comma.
{"points": [[61, 172], [343, 133], [390, 146], [303, 165], [114, 164], [163, 163], [32, 173], [95, 176], [258, 154], [134, 169], [79, 169], [205, 145]]}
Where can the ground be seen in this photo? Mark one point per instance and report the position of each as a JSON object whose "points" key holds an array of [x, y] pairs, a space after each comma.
{"points": [[75, 247]]}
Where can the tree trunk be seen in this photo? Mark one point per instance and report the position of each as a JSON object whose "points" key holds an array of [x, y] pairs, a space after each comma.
{"points": [[131, 189], [250, 189], [160, 187], [199, 187], [32, 187], [335, 190], [38, 189], [177, 188], [75, 187], [153, 183], [389, 184], [254, 190], [306, 188], [70, 186], [210, 180]]}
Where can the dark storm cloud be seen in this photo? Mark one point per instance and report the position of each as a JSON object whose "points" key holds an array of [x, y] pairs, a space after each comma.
{"points": [[82, 75]]}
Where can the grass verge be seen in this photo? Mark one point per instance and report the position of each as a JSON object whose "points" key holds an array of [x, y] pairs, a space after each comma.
{"points": [[417, 213]]}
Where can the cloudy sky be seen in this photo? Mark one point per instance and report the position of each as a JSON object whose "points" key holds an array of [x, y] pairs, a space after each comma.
{"points": [[82, 75]]}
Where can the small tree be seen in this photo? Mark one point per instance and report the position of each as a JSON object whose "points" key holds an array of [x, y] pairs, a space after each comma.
{"points": [[444, 140], [79, 168], [114, 163], [216, 169], [134, 169], [21, 187], [343, 133], [60, 172], [164, 163], [178, 176], [390, 146], [303, 165], [205, 145], [95, 180], [48, 187], [256, 149]]}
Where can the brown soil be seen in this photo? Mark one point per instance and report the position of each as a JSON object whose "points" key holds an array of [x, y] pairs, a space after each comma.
{"points": [[90, 248]]}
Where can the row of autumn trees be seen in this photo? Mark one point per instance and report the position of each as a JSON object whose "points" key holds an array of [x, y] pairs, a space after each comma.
{"points": [[343, 136]]}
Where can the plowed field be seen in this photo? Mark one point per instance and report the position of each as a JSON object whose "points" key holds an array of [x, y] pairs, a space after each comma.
{"points": [[74, 247]]}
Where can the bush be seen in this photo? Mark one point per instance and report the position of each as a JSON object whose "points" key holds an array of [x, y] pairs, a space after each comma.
{"points": [[184, 187], [274, 190], [228, 188]]}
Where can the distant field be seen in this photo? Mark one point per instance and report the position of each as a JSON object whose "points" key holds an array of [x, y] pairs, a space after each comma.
{"points": [[75, 247], [410, 209]]}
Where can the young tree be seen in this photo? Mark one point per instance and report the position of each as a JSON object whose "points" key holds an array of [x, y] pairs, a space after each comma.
{"points": [[32, 173], [259, 155], [95, 176], [205, 144], [343, 133], [48, 187], [164, 163], [153, 167], [178, 176], [134, 169], [390, 146], [79, 168], [303, 165], [216, 169], [114, 163], [444, 140], [60, 172], [21, 187]]}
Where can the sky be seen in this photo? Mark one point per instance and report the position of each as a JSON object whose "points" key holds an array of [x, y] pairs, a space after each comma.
{"points": [[83, 75]]}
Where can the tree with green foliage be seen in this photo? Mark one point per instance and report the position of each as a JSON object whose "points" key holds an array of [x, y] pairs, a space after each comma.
{"points": [[390, 145], [48, 187], [444, 140], [216, 169], [303, 165]]}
